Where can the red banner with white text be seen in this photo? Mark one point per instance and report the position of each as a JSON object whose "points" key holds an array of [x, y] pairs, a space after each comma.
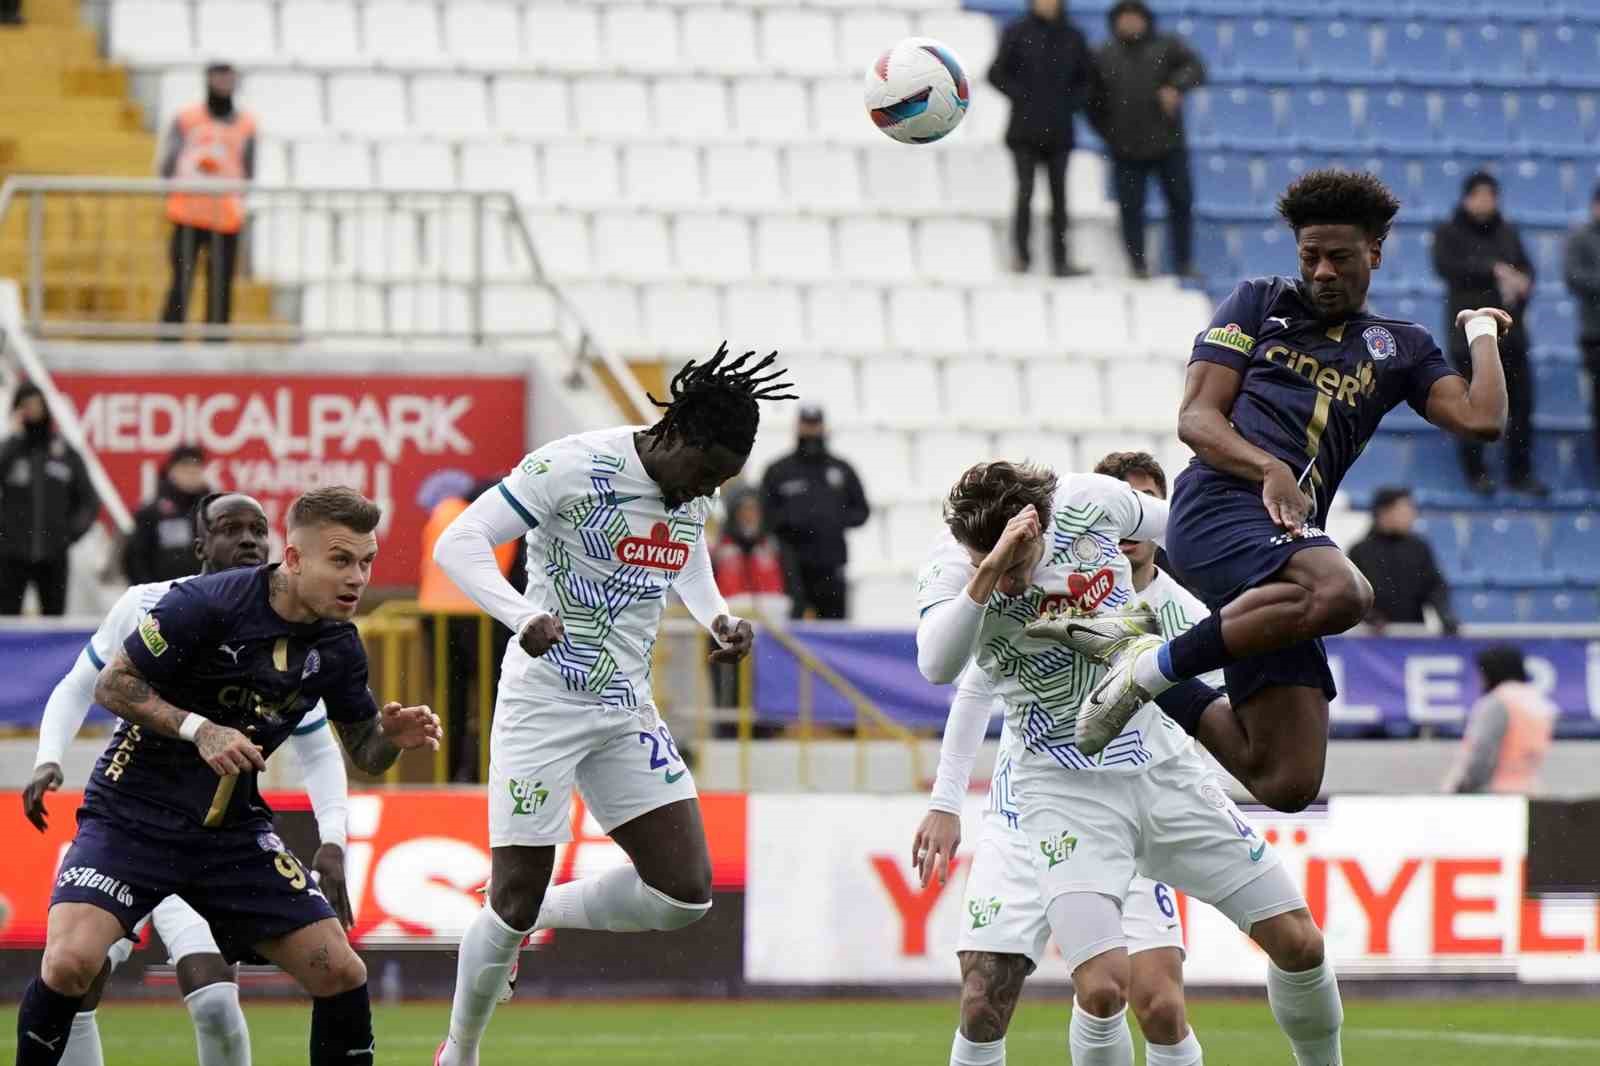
{"points": [[276, 436]]}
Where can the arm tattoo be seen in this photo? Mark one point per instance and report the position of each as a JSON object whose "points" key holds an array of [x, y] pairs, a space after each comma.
{"points": [[123, 691], [991, 984], [369, 749]]}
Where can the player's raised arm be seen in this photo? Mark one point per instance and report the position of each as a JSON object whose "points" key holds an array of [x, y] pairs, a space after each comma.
{"points": [[1477, 410]]}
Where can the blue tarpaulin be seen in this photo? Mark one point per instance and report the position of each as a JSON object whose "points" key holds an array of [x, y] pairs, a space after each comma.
{"points": [[31, 662]]}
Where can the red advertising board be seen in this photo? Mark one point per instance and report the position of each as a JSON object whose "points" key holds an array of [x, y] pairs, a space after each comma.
{"points": [[413, 864], [276, 436]]}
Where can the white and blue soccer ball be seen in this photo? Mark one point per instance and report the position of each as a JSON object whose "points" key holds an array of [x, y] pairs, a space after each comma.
{"points": [[917, 91]]}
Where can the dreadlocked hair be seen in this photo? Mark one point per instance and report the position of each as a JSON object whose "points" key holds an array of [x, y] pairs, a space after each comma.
{"points": [[717, 402], [1339, 198]]}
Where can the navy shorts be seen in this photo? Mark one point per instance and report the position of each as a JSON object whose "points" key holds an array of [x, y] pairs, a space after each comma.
{"points": [[245, 883], [1221, 543]]}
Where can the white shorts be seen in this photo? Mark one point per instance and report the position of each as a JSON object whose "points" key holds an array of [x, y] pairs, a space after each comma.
{"points": [[624, 763], [1173, 822], [1003, 911], [181, 928]]}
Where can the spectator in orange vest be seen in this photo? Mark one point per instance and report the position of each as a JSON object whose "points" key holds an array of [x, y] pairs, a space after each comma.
{"points": [[1508, 733], [213, 139], [746, 561]]}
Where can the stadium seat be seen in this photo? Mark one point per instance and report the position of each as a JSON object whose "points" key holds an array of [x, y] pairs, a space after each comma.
{"points": [[928, 320], [903, 392], [1408, 252], [288, 104], [1054, 450], [1486, 607], [753, 313], [972, 176], [291, 245], [1165, 323], [320, 34], [272, 162], [531, 107], [1563, 606], [662, 175], [799, 42], [938, 458], [981, 389], [368, 104], [1567, 51], [821, 178], [430, 309], [632, 247], [1553, 120], [867, 547], [1065, 393], [483, 35], [1416, 49], [1267, 249], [713, 247], [242, 30], [581, 174], [676, 316], [518, 309], [1534, 192], [873, 249], [414, 164], [1551, 320], [1091, 320], [847, 318], [794, 248], [1143, 395], [1398, 118], [720, 40], [769, 109], [1573, 542], [911, 528], [1491, 51], [743, 176], [1322, 118], [150, 31], [1386, 461], [611, 108], [334, 307], [562, 37], [972, 35], [613, 312], [1011, 321], [866, 33], [1507, 550], [1339, 51], [1475, 121], [693, 110], [903, 182], [831, 382], [403, 34], [837, 112], [1225, 181], [1444, 535], [955, 250], [639, 40], [1441, 180], [332, 164], [1269, 47], [1236, 115], [450, 105]]}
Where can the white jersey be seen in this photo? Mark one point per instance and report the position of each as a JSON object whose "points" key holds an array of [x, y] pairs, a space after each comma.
{"points": [[602, 552], [1043, 682]]}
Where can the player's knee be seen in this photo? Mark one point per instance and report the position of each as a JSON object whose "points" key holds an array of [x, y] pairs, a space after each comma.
{"points": [[70, 970], [1288, 788], [202, 969], [1161, 1014], [516, 900], [343, 973], [669, 912], [1099, 990], [689, 885], [1341, 601], [1293, 942]]}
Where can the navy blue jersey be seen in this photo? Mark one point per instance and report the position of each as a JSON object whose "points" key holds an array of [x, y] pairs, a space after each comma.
{"points": [[215, 646], [1314, 393]]}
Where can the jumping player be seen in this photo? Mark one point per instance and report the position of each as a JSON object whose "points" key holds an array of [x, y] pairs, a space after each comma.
{"points": [[613, 519], [172, 807], [1020, 545], [230, 530], [1285, 388]]}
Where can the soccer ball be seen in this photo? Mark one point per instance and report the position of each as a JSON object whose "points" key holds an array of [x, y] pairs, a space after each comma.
{"points": [[916, 92]]}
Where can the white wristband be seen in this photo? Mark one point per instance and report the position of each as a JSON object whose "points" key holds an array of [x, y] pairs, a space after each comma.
{"points": [[190, 726], [1481, 326]]}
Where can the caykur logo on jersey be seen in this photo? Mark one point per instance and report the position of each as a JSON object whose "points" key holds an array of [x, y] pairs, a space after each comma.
{"points": [[659, 551], [1089, 591]]}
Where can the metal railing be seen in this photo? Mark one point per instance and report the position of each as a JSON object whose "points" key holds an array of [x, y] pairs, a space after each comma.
{"points": [[323, 263]]}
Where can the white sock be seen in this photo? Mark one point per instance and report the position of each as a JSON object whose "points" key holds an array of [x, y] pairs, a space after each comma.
{"points": [[1099, 1041], [83, 1042], [1185, 1052], [964, 1052], [617, 901], [1147, 672], [220, 1032], [485, 957], [1308, 1010]]}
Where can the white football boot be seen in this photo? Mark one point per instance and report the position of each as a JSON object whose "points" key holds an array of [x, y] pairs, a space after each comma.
{"points": [[1115, 700], [1096, 636]]}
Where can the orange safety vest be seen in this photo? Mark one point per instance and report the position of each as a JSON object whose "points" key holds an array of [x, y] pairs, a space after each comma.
{"points": [[1530, 721], [435, 591], [210, 149]]}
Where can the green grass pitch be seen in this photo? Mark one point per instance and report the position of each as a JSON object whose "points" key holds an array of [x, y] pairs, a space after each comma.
{"points": [[875, 1033]]}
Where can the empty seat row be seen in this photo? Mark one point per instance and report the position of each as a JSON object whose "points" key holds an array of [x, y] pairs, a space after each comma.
{"points": [[420, 310], [497, 35], [1516, 549]]}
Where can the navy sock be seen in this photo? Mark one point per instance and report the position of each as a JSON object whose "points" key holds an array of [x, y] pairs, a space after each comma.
{"points": [[1186, 701], [1199, 651], [341, 1029], [44, 1021]]}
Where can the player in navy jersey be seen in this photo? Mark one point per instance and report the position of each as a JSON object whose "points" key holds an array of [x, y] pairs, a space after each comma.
{"points": [[172, 807], [1285, 388]]}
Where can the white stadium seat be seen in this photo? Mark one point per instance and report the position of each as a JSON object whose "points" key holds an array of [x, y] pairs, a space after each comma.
{"points": [[867, 546], [413, 164], [483, 36], [1166, 321], [632, 247], [640, 40], [320, 33], [719, 40], [1055, 450], [794, 248], [742, 176], [768, 109], [242, 31], [822, 178], [829, 382], [972, 34], [368, 104], [514, 309], [288, 244], [1012, 320], [531, 107], [612, 313], [1091, 318], [582, 174], [342, 307], [873, 249], [1145, 395], [425, 309], [956, 250], [272, 161], [980, 179], [151, 31], [1094, 445], [712, 247], [901, 181], [762, 317], [691, 109], [561, 241], [929, 319], [838, 115], [608, 108], [798, 42], [562, 37], [882, 459], [286, 104], [866, 34], [488, 166], [912, 529], [662, 175], [940, 456], [450, 105], [849, 319], [403, 34], [982, 391], [1065, 392], [900, 392], [987, 115], [332, 164], [679, 319]]}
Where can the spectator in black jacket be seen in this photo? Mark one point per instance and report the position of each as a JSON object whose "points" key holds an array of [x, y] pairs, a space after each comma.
{"points": [[46, 504], [1481, 259], [161, 546], [1400, 565], [811, 497], [1042, 67], [1583, 282], [1136, 105]]}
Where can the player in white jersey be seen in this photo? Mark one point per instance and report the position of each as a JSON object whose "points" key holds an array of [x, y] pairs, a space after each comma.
{"points": [[613, 519], [230, 531], [1021, 545]]}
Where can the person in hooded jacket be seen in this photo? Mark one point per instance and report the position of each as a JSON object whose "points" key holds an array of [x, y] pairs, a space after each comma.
{"points": [[1042, 66], [1480, 257], [161, 546], [46, 504], [810, 498]]}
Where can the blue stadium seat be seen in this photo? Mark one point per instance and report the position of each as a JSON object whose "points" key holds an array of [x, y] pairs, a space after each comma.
{"points": [[1321, 118], [1440, 530], [1418, 49], [1441, 182], [1491, 50], [1508, 550], [1533, 192], [1216, 255], [1559, 390], [1213, 37], [1340, 51], [1474, 121], [1398, 118], [1225, 181], [1575, 547], [1408, 253], [1268, 46], [1238, 116], [1567, 51], [1266, 249], [1551, 319], [1552, 120], [1574, 607], [1386, 461], [1548, 247], [1435, 460], [1486, 607]]}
